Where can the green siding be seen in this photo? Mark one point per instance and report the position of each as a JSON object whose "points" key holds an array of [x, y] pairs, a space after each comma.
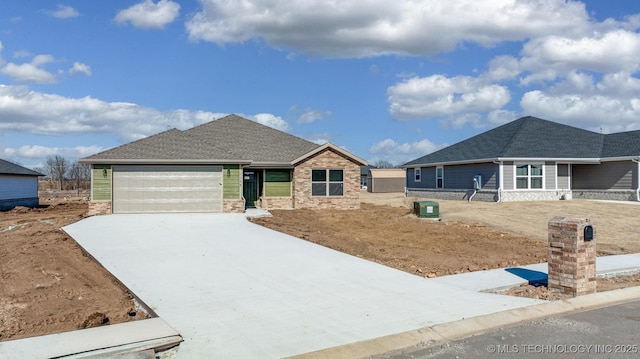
{"points": [[277, 183], [101, 185], [231, 182]]}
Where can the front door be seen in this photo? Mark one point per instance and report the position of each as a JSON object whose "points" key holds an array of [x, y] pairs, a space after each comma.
{"points": [[250, 191]]}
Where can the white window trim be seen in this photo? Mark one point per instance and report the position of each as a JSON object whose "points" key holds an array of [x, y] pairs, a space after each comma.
{"points": [[417, 174], [529, 164], [442, 168]]}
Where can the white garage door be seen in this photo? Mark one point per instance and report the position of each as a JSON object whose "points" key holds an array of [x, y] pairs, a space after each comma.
{"points": [[165, 189]]}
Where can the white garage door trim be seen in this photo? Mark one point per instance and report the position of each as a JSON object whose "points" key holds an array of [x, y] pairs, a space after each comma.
{"points": [[167, 189]]}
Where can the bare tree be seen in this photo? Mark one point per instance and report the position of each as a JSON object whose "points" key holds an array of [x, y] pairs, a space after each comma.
{"points": [[56, 167], [384, 164], [79, 174]]}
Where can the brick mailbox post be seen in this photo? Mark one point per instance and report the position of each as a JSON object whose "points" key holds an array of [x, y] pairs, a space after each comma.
{"points": [[572, 257]]}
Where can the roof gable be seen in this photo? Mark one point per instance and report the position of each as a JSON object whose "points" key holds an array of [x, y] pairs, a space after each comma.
{"points": [[331, 147], [8, 168], [527, 137], [251, 140]]}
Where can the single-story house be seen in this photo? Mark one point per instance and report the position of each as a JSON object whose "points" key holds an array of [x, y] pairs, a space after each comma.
{"points": [[386, 180], [364, 173], [225, 165], [531, 159], [18, 186]]}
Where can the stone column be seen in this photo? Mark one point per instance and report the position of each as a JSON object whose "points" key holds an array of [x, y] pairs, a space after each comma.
{"points": [[572, 259]]}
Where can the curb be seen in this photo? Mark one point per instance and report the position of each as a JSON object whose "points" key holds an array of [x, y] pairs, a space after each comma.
{"points": [[439, 334]]}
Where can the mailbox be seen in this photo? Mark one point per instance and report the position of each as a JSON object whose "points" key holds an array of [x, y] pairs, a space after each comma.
{"points": [[588, 233]]}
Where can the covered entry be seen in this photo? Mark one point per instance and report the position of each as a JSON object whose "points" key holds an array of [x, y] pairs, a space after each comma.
{"points": [[251, 187], [166, 189]]}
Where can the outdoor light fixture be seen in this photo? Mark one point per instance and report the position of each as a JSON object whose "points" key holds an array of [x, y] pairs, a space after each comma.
{"points": [[104, 172], [228, 172]]}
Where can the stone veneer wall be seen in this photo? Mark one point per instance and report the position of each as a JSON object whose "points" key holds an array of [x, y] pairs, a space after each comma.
{"points": [[332, 160], [572, 260], [628, 195], [233, 206], [481, 196], [276, 202], [99, 208], [540, 195]]}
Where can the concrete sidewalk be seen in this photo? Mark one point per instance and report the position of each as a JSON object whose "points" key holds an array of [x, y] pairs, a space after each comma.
{"points": [[235, 289]]}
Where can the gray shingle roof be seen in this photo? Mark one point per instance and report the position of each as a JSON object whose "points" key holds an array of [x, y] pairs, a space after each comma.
{"points": [[170, 145], [531, 137], [8, 168], [621, 144], [231, 138], [251, 140]]}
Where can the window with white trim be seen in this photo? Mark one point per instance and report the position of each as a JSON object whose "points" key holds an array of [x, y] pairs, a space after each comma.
{"points": [[529, 176], [417, 175], [327, 182], [440, 177]]}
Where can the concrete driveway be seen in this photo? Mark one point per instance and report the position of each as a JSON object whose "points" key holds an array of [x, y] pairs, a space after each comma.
{"points": [[235, 289]]}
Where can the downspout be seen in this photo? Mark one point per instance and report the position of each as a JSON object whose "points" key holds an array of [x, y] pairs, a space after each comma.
{"points": [[473, 194], [499, 163], [638, 176]]}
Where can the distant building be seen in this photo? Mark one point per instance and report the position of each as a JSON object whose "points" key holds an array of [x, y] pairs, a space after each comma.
{"points": [[18, 186], [531, 159], [364, 173], [386, 180]]}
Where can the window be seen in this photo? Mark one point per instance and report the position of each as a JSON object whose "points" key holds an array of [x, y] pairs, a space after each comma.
{"points": [[417, 175], [439, 177], [528, 176], [277, 183], [327, 182]]}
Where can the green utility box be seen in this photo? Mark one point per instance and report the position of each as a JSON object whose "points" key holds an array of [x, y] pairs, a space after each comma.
{"points": [[426, 209]]}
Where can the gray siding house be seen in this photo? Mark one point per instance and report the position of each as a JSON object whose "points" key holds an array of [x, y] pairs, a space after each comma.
{"points": [[18, 186], [531, 159]]}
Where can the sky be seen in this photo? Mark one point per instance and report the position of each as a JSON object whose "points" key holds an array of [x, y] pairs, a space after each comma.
{"points": [[386, 80]]}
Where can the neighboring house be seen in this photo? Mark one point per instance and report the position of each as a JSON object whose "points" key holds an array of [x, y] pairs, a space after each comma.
{"points": [[531, 159], [225, 165], [18, 186], [364, 173], [386, 180]]}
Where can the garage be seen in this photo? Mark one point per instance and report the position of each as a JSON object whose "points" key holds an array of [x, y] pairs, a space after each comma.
{"points": [[167, 189]]}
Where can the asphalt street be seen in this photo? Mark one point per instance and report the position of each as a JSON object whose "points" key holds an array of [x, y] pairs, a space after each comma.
{"points": [[611, 332]]}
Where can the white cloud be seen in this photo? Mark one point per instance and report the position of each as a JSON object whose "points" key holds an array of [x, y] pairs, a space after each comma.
{"points": [[64, 12], [149, 15], [79, 67], [308, 115], [270, 120], [437, 96], [547, 58], [319, 138], [35, 112], [611, 104], [399, 153], [362, 28], [500, 117], [31, 72], [40, 113], [40, 152], [33, 156]]}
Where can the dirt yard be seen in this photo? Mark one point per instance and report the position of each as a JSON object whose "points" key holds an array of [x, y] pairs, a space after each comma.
{"points": [[471, 236], [48, 284]]}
